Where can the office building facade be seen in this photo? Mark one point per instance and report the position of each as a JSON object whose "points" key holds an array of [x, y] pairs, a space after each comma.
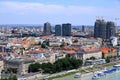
{"points": [[58, 30], [66, 29], [83, 28], [100, 29], [104, 29], [110, 29], [47, 29]]}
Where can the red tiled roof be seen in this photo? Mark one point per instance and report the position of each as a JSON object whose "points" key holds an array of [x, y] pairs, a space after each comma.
{"points": [[69, 51], [90, 49], [108, 50]]}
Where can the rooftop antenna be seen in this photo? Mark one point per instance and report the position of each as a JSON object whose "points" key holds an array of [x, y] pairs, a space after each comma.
{"points": [[96, 17]]}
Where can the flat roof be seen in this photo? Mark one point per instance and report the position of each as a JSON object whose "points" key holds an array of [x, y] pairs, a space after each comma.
{"points": [[15, 60], [117, 65]]}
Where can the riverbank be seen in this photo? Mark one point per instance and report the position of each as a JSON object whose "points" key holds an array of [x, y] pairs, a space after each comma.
{"points": [[86, 72]]}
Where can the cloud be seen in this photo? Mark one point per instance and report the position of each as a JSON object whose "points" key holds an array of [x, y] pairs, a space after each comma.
{"points": [[27, 7], [20, 7], [51, 11]]}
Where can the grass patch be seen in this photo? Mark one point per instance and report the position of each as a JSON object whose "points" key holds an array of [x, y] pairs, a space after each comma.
{"points": [[71, 73]]}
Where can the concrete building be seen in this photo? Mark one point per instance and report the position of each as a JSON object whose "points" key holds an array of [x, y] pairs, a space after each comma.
{"points": [[1, 65], [89, 52], [95, 62], [66, 29], [52, 58], [104, 29], [19, 65], [84, 53], [110, 27], [100, 29], [54, 42], [114, 41], [109, 52], [58, 30], [47, 29], [42, 55], [83, 28]]}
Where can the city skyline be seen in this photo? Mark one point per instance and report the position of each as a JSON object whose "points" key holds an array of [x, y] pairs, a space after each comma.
{"points": [[76, 12]]}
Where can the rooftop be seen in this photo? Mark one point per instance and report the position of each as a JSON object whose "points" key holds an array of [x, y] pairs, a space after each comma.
{"points": [[108, 50]]}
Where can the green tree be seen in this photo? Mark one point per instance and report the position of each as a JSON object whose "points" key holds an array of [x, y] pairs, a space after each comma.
{"points": [[47, 67], [14, 78], [75, 41], [60, 65], [34, 67], [47, 42], [57, 66], [43, 45], [92, 58], [10, 78], [62, 45], [107, 59]]}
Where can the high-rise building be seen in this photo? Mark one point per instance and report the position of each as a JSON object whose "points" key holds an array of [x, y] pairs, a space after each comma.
{"points": [[58, 30], [110, 29], [104, 29], [47, 29], [66, 29], [83, 28], [100, 29]]}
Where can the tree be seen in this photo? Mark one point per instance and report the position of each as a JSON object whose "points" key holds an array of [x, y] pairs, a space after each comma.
{"points": [[47, 42], [62, 45], [10, 78], [57, 66], [34, 67], [60, 65], [14, 78], [43, 45], [75, 41], [92, 58], [107, 59], [68, 55], [39, 43], [47, 67]]}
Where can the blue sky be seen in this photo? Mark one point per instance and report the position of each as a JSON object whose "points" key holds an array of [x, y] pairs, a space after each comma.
{"points": [[77, 12]]}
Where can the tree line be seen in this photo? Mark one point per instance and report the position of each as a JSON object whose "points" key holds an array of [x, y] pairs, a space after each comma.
{"points": [[10, 78], [58, 66]]}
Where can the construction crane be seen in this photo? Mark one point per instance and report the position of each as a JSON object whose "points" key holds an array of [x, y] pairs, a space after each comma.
{"points": [[100, 17]]}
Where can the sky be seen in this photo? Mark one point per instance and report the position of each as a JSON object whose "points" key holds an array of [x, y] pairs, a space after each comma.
{"points": [[76, 12]]}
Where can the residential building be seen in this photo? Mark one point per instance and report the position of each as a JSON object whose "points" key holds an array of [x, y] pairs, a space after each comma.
{"points": [[95, 62], [100, 29], [19, 65], [86, 53], [109, 52], [104, 29], [52, 58], [110, 27], [54, 42]]}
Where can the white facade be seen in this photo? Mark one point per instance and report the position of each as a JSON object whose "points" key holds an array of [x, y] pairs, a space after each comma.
{"points": [[97, 55], [114, 41]]}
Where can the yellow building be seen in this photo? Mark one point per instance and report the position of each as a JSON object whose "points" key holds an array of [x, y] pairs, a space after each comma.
{"points": [[109, 52]]}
